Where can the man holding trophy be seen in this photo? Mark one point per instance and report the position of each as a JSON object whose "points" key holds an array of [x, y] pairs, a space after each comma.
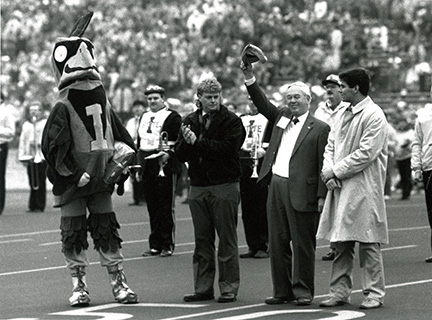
{"points": [[157, 133], [253, 196]]}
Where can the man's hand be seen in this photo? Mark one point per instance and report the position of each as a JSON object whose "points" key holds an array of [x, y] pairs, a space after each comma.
{"points": [[327, 174], [321, 204], [163, 159], [85, 178], [333, 183], [418, 176], [188, 134], [247, 70]]}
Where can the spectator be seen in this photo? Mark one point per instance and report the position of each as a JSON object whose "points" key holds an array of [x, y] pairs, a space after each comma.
{"points": [[421, 162], [254, 197], [326, 112], [132, 125], [403, 161], [7, 133], [392, 143], [210, 141], [30, 153], [157, 134], [354, 170], [291, 217]]}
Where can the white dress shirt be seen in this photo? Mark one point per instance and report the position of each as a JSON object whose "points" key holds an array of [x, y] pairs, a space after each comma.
{"points": [[286, 146]]}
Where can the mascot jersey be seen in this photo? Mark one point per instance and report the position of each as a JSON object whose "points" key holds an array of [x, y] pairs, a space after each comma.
{"points": [[81, 129]]}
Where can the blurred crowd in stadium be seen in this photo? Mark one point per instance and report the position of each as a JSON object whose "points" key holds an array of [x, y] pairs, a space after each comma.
{"points": [[175, 44]]}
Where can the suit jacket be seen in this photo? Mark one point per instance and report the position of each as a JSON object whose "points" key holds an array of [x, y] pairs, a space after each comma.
{"points": [[307, 157]]}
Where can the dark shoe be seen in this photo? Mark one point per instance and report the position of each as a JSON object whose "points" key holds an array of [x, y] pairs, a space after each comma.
{"points": [[166, 253], [276, 300], [249, 254], [304, 301], [329, 256], [370, 303], [151, 252], [429, 260], [198, 297], [332, 302], [260, 254], [227, 297]]}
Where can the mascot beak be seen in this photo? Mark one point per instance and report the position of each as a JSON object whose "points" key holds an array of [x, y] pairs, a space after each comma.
{"points": [[81, 61]]}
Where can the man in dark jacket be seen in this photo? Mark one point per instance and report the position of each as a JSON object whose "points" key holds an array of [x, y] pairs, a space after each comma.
{"points": [[210, 142]]}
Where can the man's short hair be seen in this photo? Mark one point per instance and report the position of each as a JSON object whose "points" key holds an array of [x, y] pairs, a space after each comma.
{"points": [[354, 77], [210, 85], [303, 88]]}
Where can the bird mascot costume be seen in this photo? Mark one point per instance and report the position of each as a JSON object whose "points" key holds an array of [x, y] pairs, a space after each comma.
{"points": [[87, 150]]}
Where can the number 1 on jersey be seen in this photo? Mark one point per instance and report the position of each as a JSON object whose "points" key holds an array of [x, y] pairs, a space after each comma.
{"points": [[95, 112]]}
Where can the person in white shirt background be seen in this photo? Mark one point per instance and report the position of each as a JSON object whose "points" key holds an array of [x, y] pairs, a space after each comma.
{"points": [[7, 133], [132, 125], [30, 154], [421, 160]]}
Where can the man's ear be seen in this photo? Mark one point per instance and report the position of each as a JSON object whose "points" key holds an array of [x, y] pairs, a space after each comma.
{"points": [[198, 101]]}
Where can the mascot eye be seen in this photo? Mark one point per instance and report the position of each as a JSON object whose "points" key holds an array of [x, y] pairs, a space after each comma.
{"points": [[60, 53]]}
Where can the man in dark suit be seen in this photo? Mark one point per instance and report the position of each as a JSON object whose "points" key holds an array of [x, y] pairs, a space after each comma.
{"points": [[291, 168]]}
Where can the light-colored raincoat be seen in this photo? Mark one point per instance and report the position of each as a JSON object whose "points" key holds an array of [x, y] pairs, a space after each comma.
{"points": [[358, 157]]}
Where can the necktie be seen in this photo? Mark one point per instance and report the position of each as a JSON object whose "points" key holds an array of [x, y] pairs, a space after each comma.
{"points": [[150, 123], [205, 119], [293, 122], [347, 117], [204, 125]]}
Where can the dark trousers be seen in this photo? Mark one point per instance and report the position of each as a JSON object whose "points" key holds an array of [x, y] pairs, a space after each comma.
{"points": [[137, 191], [159, 195], [215, 208], [254, 214], [427, 182], [404, 167], [4, 149], [293, 270], [36, 173]]}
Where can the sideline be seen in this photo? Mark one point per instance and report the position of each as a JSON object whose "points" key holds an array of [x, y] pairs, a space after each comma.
{"points": [[133, 224], [11, 273]]}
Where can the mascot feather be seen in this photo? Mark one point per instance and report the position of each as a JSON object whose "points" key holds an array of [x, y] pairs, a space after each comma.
{"points": [[87, 148]]}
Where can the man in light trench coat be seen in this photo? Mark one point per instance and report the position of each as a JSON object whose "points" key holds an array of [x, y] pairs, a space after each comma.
{"points": [[354, 169]]}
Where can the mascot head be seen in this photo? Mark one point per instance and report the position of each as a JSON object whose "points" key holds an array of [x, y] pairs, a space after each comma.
{"points": [[73, 56]]}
